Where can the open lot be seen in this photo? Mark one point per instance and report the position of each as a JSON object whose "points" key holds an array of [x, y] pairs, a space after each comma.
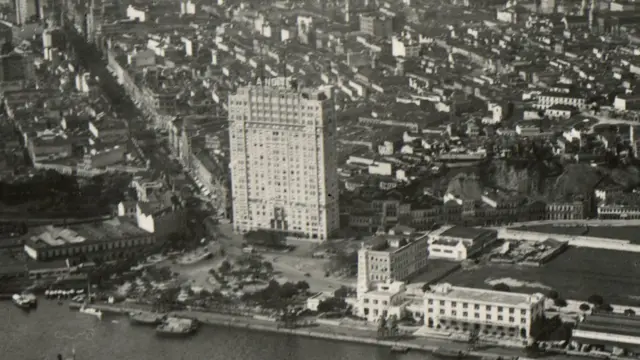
{"points": [[576, 274], [436, 270], [629, 233]]}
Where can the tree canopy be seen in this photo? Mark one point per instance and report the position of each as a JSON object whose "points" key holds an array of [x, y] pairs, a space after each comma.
{"points": [[502, 287]]}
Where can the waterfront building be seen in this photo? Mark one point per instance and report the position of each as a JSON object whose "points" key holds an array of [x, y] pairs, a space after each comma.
{"points": [[495, 315], [106, 240], [616, 333], [392, 257], [378, 301], [382, 264], [459, 243], [283, 160]]}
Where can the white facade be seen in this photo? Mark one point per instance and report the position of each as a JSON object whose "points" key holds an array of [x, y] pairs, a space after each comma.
{"points": [[496, 314], [397, 261], [627, 102], [284, 161], [133, 14], [187, 8], [458, 243], [381, 301], [405, 46], [550, 99]]}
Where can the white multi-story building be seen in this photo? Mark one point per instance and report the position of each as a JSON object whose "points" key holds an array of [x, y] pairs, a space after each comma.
{"points": [[382, 266], [494, 314], [283, 160], [392, 258]]}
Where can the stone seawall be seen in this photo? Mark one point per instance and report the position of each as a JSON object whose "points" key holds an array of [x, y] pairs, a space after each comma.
{"points": [[324, 332]]}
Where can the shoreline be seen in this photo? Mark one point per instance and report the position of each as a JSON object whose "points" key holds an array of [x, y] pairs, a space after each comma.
{"points": [[325, 332]]}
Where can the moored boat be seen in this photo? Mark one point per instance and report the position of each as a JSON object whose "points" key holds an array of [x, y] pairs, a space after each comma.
{"points": [[146, 318], [173, 326], [399, 349], [25, 301], [450, 353], [91, 311]]}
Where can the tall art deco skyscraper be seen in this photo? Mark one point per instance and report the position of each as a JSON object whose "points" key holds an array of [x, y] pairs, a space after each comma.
{"points": [[284, 160]]}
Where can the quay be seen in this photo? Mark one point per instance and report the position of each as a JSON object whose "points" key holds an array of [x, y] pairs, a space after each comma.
{"points": [[328, 332]]}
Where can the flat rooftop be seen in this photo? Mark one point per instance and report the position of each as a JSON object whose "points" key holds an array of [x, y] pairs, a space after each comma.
{"points": [[612, 324], [464, 232], [474, 295]]}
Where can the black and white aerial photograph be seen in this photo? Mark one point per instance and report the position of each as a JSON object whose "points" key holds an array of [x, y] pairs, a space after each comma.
{"points": [[319, 179]]}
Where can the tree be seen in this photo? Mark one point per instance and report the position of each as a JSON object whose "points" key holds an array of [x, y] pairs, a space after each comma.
{"points": [[596, 299], [382, 327], [392, 326], [267, 266], [342, 292], [502, 287], [175, 240], [474, 337], [167, 298], [560, 302], [288, 290], [302, 285], [605, 308], [225, 267], [630, 312], [585, 307], [331, 304]]}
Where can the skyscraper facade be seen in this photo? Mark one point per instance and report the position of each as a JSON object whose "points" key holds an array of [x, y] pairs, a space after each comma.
{"points": [[284, 160]]}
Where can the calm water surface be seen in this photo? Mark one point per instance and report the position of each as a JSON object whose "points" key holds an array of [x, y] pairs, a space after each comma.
{"points": [[53, 329]]}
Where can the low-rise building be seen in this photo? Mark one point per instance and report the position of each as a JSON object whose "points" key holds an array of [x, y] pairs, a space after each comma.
{"points": [[495, 315], [627, 102], [459, 243], [379, 300], [616, 333]]}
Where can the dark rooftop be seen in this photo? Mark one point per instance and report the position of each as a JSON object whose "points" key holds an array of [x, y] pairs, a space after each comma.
{"points": [[465, 232]]}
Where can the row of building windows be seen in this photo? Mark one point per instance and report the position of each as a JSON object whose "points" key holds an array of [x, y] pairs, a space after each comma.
{"points": [[477, 316], [375, 301], [113, 245], [465, 305]]}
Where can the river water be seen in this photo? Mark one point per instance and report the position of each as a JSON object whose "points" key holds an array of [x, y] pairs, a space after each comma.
{"points": [[51, 329]]}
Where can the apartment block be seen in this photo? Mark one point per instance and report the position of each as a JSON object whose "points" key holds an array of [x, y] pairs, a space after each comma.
{"points": [[283, 160]]}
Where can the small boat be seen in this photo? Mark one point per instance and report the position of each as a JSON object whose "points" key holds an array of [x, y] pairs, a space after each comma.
{"points": [[25, 301], [450, 353], [399, 349], [146, 318], [79, 298], [91, 311], [173, 326]]}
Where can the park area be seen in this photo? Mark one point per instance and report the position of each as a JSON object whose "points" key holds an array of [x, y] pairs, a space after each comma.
{"points": [[629, 233], [576, 274]]}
